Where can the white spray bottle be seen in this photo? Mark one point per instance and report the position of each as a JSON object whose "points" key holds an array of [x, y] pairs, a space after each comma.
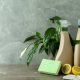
{"points": [[65, 52]]}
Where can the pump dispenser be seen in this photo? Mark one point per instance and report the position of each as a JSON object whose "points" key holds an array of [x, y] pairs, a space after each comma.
{"points": [[65, 52]]}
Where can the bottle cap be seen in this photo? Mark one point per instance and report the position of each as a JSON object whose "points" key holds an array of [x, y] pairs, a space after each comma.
{"points": [[65, 23]]}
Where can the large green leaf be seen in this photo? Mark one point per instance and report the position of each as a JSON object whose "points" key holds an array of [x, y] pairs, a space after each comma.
{"points": [[52, 46], [47, 51], [30, 38], [42, 48], [25, 50], [32, 52], [55, 18], [38, 35], [49, 32]]}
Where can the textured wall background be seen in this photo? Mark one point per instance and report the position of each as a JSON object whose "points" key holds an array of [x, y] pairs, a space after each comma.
{"points": [[22, 18]]}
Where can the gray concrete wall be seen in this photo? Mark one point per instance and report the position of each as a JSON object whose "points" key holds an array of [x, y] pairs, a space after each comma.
{"points": [[22, 18]]}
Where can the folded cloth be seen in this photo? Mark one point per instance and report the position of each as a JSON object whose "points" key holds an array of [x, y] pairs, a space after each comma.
{"points": [[71, 77]]}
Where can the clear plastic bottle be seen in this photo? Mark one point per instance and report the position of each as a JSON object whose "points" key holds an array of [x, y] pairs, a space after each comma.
{"points": [[65, 52], [77, 48]]}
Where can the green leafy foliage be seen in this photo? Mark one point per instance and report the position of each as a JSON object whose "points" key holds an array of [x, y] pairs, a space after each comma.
{"points": [[50, 32], [30, 38], [41, 48], [55, 18], [32, 52], [49, 42], [38, 35]]}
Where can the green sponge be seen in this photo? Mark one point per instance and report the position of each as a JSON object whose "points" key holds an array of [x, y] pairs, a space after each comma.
{"points": [[50, 67]]}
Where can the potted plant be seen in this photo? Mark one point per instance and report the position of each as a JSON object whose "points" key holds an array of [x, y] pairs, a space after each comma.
{"points": [[49, 42]]}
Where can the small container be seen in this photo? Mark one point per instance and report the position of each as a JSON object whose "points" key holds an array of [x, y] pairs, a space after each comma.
{"points": [[65, 52]]}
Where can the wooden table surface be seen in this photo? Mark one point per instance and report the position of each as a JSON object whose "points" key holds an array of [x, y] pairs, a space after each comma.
{"points": [[22, 72]]}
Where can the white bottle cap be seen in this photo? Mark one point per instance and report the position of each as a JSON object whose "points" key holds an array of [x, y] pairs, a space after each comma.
{"points": [[65, 23], [78, 21]]}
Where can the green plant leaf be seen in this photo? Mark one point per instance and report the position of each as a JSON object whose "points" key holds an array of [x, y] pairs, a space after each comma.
{"points": [[58, 27], [25, 50], [46, 51], [30, 38], [41, 48], [53, 46], [50, 41], [55, 18], [38, 35], [49, 32], [31, 53]]}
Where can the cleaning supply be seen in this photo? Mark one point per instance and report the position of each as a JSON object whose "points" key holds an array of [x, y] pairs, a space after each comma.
{"points": [[77, 48], [71, 77], [65, 52], [50, 67], [66, 69], [76, 70]]}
